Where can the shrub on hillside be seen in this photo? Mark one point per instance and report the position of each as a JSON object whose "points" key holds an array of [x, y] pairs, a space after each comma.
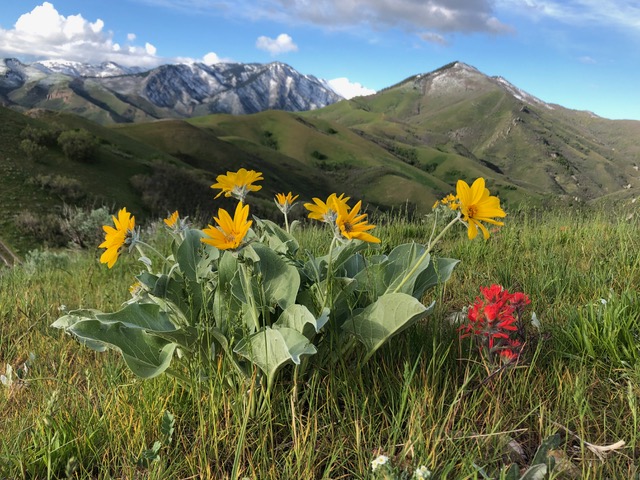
{"points": [[44, 228], [46, 137], [78, 145], [171, 188], [33, 151], [83, 227], [68, 189]]}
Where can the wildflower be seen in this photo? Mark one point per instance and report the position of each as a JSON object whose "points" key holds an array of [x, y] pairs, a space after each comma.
{"points": [[450, 201], [238, 184], [116, 238], [422, 473], [476, 206], [519, 300], [171, 220], [352, 225], [135, 289], [378, 462], [285, 202], [230, 232], [326, 211]]}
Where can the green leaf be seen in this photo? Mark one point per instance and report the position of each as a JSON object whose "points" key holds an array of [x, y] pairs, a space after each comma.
{"points": [[405, 264], [275, 282], [549, 443], [277, 238], [272, 348], [191, 256], [437, 272], [388, 316], [227, 309], [146, 355], [300, 319], [535, 472], [167, 426], [145, 316]]}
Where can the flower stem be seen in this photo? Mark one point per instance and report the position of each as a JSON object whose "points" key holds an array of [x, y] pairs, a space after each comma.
{"points": [[424, 255], [286, 222]]}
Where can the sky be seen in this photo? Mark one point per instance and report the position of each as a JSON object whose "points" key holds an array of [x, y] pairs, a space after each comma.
{"points": [[581, 54]]}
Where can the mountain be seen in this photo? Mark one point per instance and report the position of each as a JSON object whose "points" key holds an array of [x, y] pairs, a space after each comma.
{"points": [[109, 93], [458, 122], [403, 147], [79, 69]]}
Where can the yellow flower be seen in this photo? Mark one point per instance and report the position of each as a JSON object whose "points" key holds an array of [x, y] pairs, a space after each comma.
{"points": [[352, 225], [326, 212], [115, 238], [285, 202], [476, 205], [230, 232], [238, 184], [171, 220]]}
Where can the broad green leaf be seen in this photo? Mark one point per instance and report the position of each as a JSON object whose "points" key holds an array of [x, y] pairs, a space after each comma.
{"points": [[438, 271], [299, 318], [274, 281], [189, 253], [535, 472], [145, 316], [277, 238], [66, 322], [75, 316], [146, 355], [388, 316], [272, 348], [405, 264], [227, 309]]}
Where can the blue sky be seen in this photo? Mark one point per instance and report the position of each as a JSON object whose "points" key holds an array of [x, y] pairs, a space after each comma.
{"points": [[582, 54]]}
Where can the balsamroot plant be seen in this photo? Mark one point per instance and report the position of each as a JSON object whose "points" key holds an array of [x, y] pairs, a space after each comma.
{"points": [[243, 288]]}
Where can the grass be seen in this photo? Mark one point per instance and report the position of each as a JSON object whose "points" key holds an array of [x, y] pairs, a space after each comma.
{"points": [[423, 399]]}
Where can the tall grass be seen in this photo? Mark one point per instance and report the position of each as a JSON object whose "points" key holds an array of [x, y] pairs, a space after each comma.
{"points": [[423, 399]]}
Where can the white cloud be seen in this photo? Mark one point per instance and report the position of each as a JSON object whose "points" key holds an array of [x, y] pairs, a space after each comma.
{"points": [[343, 86], [131, 37], [623, 13], [44, 33], [283, 43], [211, 58], [443, 16], [432, 37]]}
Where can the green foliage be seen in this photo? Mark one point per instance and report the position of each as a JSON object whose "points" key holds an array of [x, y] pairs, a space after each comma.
{"points": [[262, 306], [444, 413], [32, 150], [68, 189], [168, 188], [79, 145], [269, 140]]}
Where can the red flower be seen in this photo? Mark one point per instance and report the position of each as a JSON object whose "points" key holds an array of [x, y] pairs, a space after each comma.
{"points": [[492, 318]]}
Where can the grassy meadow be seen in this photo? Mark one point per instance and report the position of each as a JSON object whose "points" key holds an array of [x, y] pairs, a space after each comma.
{"points": [[425, 398]]}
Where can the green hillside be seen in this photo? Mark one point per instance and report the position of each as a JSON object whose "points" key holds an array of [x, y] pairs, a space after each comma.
{"points": [[404, 147]]}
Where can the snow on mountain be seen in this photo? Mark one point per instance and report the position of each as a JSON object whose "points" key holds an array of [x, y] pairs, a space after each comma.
{"points": [[79, 69], [521, 94], [182, 89]]}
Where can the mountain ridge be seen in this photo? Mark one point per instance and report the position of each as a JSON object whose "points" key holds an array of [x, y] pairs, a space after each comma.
{"points": [[110, 93]]}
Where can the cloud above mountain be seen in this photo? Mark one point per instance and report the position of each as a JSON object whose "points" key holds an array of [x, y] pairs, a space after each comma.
{"points": [[620, 13], [44, 33], [283, 43], [348, 89], [416, 16]]}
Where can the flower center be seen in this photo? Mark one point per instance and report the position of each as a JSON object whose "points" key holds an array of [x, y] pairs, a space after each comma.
{"points": [[472, 211], [347, 227]]}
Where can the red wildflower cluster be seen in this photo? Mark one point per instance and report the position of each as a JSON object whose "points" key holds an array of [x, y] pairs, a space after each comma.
{"points": [[493, 319]]}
